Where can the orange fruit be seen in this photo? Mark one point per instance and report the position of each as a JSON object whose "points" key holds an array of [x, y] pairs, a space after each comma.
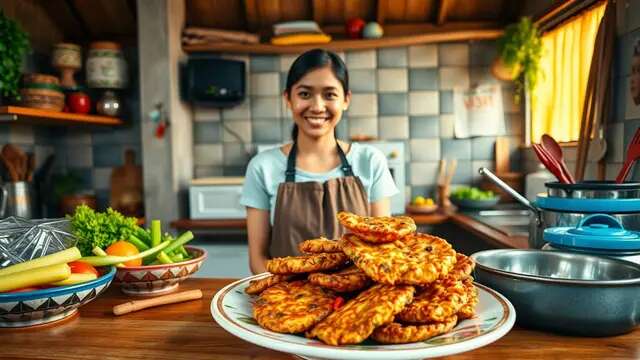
{"points": [[124, 248]]}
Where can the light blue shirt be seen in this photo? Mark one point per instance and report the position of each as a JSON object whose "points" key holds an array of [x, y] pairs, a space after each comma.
{"points": [[266, 171]]}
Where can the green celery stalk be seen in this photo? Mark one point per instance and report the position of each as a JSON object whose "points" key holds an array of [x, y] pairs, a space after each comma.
{"points": [[177, 257], [183, 251], [98, 251], [181, 240], [164, 258], [138, 243], [143, 235], [156, 232], [113, 260]]}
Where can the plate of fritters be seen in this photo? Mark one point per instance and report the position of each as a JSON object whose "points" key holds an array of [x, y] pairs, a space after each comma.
{"points": [[365, 298]]}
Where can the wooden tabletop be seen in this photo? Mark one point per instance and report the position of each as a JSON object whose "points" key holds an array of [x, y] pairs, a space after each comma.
{"points": [[187, 331]]}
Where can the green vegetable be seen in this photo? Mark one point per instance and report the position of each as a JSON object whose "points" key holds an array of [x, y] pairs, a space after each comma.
{"points": [[61, 257], [164, 258], [100, 229], [13, 47], [113, 260], [32, 277], [181, 240], [138, 243], [156, 232], [143, 235], [472, 193], [183, 251], [177, 257], [99, 252]]}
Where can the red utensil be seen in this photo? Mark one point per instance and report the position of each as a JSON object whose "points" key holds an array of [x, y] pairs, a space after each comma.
{"points": [[551, 146], [549, 163], [633, 154]]}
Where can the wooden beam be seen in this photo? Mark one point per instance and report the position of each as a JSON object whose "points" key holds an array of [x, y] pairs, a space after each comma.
{"points": [[382, 11], [251, 12], [420, 28], [318, 11], [442, 11]]}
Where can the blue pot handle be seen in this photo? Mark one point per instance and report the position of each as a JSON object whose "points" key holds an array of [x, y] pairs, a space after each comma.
{"points": [[603, 219]]}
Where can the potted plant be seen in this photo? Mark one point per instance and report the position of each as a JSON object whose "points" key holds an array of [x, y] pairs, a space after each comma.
{"points": [[14, 44], [519, 53]]}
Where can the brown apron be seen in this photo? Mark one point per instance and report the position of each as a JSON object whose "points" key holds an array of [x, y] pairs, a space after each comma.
{"points": [[308, 210]]}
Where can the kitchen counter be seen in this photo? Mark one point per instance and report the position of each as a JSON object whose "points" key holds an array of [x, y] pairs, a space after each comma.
{"points": [[467, 222], [187, 331]]}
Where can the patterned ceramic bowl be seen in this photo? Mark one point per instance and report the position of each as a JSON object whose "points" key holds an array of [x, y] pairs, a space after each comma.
{"points": [[42, 306], [154, 280]]}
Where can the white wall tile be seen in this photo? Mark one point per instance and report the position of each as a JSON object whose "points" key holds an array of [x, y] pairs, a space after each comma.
{"points": [[286, 61], [423, 56], [452, 77], [365, 59], [424, 103], [394, 127], [208, 171], [393, 80], [266, 107], [363, 126], [102, 178], [615, 142], [447, 126], [240, 112], [423, 150], [209, 154], [205, 114], [241, 128], [477, 164], [265, 83], [424, 173], [363, 105], [456, 54]]}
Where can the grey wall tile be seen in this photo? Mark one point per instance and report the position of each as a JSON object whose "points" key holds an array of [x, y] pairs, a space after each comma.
{"points": [[423, 150], [78, 137], [394, 127], [112, 155], [615, 142], [235, 154], [424, 173], [85, 174], [342, 129], [477, 164], [481, 76], [456, 149], [265, 107], [264, 63], [102, 178], [264, 84], [453, 54], [79, 156], [452, 77], [208, 155], [21, 134], [240, 112], [392, 57], [363, 104], [206, 114], [208, 171], [363, 126], [362, 80], [446, 126], [423, 56], [234, 129], [424, 126], [125, 135], [207, 132], [392, 104], [286, 61], [424, 103], [483, 147], [482, 52], [425, 191], [423, 79], [234, 170], [446, 102], [266, 131], [463, 174], [361, 59], [392, 80]]}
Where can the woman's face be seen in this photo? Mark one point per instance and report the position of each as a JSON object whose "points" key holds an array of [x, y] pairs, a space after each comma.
{"points": [[317, 102], [635, 79]]}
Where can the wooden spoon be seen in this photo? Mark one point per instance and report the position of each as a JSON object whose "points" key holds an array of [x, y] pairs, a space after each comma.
{"points": [[555, 151]]}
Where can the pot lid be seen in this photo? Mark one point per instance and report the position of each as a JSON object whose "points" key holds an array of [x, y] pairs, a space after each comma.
{"points": [[607, 206], [597, 231]]}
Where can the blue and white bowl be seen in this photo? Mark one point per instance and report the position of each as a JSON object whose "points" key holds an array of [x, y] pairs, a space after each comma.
{"points": [[42, 306]]}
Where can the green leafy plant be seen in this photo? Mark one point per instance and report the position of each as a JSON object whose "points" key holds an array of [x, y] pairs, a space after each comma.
{"points": [[520, 47], [14, 44], [100, 229]]}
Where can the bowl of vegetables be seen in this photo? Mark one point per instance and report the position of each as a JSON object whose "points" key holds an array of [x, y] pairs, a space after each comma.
{"points": [[148, 262], [474, 198], [49, 288]]}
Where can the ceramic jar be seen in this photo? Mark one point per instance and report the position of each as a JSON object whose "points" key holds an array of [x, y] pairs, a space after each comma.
{"points": [[109, 104], [68, 59], [41, 91], [106, 67]]}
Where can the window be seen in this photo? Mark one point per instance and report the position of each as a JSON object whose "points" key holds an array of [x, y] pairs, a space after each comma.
{"points": [[557, 101]]}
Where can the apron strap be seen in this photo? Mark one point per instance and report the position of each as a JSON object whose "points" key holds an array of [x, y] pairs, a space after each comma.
{"points": [[290, 173]]}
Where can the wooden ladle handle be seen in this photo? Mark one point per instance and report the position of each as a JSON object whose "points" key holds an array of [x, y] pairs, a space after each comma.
{"points": [[136, 305]]}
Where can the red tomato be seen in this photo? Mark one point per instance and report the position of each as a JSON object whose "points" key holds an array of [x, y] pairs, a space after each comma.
{"points": [[354, 27], [337, 303], [79, 267], [79, 102]]}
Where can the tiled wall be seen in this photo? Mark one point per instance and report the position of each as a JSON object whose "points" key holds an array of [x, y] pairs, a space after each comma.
{"points": [[403, 94], [90, 153]]}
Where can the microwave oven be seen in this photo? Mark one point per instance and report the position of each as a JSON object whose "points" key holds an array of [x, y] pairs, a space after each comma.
{"points": [[216, 198]]}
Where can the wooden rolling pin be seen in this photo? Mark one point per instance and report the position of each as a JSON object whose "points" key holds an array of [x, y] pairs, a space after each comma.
{"points": [[136, 305]]}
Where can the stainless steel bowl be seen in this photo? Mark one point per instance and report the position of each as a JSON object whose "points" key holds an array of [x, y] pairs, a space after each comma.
{"points": [[565, 292]]}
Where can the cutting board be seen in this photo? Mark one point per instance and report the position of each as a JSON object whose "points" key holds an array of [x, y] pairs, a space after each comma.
{"points": [[127, 194]]}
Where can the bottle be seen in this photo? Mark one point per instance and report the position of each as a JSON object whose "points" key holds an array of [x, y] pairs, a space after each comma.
{"points": [[534, 182]]}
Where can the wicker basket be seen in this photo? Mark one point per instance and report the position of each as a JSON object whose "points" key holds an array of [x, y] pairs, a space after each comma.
{"points": [[41, 92]]}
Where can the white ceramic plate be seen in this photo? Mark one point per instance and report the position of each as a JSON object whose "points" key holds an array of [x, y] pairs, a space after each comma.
{"points": [[232, 309]]}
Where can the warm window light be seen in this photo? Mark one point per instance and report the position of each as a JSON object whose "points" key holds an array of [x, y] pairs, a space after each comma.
{"points": [[557, 101]]}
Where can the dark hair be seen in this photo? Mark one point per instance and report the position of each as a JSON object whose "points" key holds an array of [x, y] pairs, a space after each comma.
{"points": [[312, 60]]}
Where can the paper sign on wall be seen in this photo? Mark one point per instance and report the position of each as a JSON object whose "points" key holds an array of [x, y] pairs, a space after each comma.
{"points": [[478, 112]]}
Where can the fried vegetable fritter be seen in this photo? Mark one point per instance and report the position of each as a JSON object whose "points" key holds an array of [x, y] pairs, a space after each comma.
{"points": [[435, 303], [306, 263], [356, 320], [257, 286], [320, 245], [462, 269], [293, 307], [350, 279], [469, 309], [419, 259], [396, 333], [381, 229]]}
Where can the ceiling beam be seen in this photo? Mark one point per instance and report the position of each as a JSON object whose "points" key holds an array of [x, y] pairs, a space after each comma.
{"points": [[251, 11], [318, 11], [381, 11], [443, 8]]}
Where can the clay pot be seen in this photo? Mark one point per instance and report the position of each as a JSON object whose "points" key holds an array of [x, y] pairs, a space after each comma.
{"points": [[503, 72], [68, 59], [68, 203]]}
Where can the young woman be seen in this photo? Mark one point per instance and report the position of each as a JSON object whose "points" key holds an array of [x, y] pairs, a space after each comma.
{"points": [[294, 192]]}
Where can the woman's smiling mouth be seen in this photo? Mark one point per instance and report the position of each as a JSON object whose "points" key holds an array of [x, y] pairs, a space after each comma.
{"points": [[317, 120]]}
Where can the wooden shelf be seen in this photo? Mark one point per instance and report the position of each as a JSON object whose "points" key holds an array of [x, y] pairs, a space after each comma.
{"points": [[359, 44], [17, 114]]}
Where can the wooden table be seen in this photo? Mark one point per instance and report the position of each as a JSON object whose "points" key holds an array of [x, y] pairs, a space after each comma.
{"points": [[187, 331]]}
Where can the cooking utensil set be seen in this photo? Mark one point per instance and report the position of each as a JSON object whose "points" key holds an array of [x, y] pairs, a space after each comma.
{"points": [[19, 165]]}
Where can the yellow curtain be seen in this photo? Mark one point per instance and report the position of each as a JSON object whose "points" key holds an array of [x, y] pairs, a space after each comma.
{"points": [[556, 102]]}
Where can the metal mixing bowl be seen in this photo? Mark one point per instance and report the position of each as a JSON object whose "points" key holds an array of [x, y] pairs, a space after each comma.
{"points": [[565, 292]]}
